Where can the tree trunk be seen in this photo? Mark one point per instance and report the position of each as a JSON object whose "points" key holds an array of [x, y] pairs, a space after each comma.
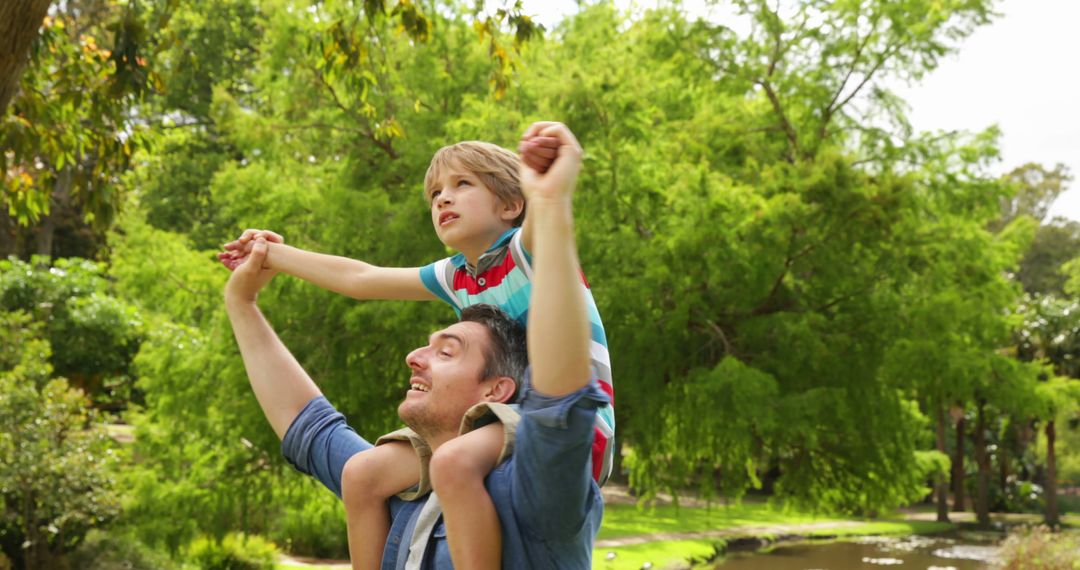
{"points": [[617, 464], [958, 467], [61, 196], [1051, 476], [942, 485], [982, 478], [1003, 465], [8, 237], [20, 21]]}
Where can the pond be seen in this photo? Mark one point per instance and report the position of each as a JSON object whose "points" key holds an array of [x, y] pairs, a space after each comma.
{"points": [[909, 552]]}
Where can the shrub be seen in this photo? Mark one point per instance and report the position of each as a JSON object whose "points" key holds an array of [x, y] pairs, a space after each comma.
{"points": [[312, 522], [57, 465], [105, 551], [1039, 548], [236, 551]]}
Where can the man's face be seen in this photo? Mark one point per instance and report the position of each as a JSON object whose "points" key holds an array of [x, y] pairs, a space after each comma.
{"points": [[446, 380]]}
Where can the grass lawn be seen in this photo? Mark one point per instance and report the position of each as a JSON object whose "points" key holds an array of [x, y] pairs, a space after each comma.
{"points": [[766, 521]]}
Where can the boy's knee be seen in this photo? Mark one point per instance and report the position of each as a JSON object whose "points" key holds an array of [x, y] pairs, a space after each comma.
{"points": [[357, 477], [452, 467]]}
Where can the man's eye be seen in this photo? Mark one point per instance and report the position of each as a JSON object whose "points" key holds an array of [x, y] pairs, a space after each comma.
{"points": [[445, 353]]}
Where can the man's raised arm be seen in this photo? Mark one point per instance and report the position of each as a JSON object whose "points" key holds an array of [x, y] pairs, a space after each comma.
{"points": [[558, 329], [281, 386]]}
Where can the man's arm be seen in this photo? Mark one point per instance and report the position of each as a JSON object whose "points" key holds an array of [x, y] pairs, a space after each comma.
{"points": [[349, 277], [280, 384], [558, 329]]}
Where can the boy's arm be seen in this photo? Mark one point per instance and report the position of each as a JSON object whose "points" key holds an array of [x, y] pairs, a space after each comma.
{"points": [[349, 277]]}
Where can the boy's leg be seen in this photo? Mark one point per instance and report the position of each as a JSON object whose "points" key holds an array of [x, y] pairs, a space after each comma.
{"points": [[367, 481], [458, 469]]}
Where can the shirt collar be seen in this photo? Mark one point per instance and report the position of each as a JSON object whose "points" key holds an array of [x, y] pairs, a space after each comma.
{"points": [[489, 258]]}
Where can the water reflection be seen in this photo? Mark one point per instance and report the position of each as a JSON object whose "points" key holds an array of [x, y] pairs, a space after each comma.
{"points": [[917, 552]]}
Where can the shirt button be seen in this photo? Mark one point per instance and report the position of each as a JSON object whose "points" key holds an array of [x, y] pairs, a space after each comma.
{"points": [[481, 281]]}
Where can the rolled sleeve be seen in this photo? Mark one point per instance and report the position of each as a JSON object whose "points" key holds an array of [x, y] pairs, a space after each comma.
{"points": [[554, 488], [319, 442]]}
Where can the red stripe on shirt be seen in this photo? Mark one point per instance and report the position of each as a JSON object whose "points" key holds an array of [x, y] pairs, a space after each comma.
{"points": [[599, 449], [492, 277]]}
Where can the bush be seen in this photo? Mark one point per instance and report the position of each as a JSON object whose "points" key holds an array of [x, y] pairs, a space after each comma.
{"points": [[104, 551], [236, 551], [312, 524], [57, 465], [1039, 548]]}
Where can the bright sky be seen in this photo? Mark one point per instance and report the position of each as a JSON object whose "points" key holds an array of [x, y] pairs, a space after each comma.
{"points": [[1017, 73]]}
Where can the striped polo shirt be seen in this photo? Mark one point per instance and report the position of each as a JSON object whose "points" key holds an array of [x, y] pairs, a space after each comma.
{"points": [[503, 277]]}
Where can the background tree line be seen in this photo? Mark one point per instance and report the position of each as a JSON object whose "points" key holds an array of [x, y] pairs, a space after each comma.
{"points": [[805, 298]]}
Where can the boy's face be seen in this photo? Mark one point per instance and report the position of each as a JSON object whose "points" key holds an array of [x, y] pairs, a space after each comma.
{"points": [[467, 215]]}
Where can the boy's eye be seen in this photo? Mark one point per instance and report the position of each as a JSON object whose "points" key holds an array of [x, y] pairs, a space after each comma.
{"points": [[435, 194], [463, 182]]}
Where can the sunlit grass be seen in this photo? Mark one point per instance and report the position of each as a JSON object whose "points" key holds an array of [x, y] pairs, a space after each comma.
{"points": [[630, 520], [660, 554]]}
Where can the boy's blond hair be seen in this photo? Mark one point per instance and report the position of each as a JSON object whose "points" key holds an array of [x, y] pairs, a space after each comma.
{"points": [[495, 166]]}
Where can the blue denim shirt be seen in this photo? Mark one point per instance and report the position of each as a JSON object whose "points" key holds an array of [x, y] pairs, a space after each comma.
{"points": [[548, 504]]}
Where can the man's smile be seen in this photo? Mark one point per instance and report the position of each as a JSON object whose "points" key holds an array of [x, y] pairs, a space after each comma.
{"points": [[417, 385]]}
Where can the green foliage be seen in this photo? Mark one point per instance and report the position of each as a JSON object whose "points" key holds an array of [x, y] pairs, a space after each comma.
{"points": [[94, 335], [236, 551], [70, 131], [57, 466], [118, 551], [1072, 271], [312, 524], [1040, 548], [1043, 270]]}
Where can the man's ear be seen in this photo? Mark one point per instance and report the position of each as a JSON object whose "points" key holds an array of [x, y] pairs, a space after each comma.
{"points": [[500, 389], [511, 210]]}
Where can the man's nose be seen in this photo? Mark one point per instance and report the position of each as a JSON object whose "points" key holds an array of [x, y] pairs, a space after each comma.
{"points": [[415, 359]]}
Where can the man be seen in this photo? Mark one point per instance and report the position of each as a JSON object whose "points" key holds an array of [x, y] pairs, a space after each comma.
{"points": [[548, 504]]}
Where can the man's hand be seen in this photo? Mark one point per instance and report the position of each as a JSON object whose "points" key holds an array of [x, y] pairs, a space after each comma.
{"points": [[237, 251], [542, 180], [538, 152], [249, 276]]}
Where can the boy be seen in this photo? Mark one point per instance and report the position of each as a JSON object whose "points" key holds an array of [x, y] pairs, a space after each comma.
{"points": [[478, 209]]}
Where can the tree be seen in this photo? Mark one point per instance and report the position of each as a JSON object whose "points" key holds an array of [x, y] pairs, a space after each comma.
{"points": [[19, 23], [93, 334], [57, 466]]}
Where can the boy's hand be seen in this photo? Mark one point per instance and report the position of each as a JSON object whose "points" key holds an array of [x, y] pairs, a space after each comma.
{"points": [[557, 180], [237, 251]]}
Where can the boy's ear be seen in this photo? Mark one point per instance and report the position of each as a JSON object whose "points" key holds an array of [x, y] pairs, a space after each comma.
{"points": [[501, 389], [511, 210]]}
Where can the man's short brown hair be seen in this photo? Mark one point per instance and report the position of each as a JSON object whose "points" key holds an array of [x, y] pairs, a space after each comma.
{"points": [[495, 166]]}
